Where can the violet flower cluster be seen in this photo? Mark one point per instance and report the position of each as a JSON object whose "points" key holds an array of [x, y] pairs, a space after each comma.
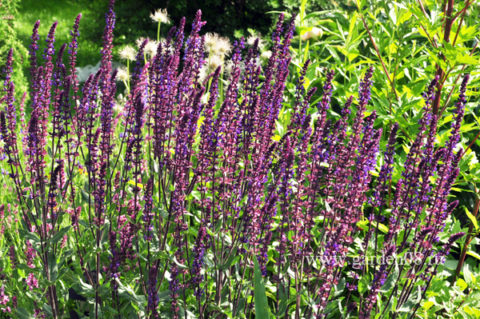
{"points": [[160, 206]]}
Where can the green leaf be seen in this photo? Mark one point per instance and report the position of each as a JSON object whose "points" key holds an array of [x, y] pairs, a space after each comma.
{"points": [[261, 304], [165, 295], [466, 59], [302, 10], [232, 260], [472, 218], [86, 288], [390, 282], [469, 277], [472, 311], [58, 236], [305, 56], [283, 299], [363, 225], [280, 128], [128, 292], [23, 313], [351, 29], [473, 254], [404, 16], [53, 266], [363, 284], [461, 284], [340, 287], [427, 305]]}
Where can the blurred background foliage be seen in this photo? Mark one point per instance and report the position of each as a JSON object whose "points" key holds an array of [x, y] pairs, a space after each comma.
{"points": [[232, 18], [9, 39]]}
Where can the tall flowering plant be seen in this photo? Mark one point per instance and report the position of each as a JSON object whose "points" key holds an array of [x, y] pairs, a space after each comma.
{"points": [[172, 204]]}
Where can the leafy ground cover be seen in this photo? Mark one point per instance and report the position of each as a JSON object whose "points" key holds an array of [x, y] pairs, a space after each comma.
{"points": [[64, 12]]}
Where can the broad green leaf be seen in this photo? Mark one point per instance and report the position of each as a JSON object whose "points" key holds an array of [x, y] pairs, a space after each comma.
{"points": [[466, 59], [427, 305], [261, 303], [469, 277], [363, 284], [351, 29], [467, 127], [128, 292], [404, 16], [391, 280], [22, 313], [472, 311], [461, 284]]}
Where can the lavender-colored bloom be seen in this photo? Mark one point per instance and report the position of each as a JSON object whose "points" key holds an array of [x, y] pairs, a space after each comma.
{"points": [[152, 292], [4, 299], [13, 261], [30, 255], [32, 281], [386, 170], [197, 264], [8, 70], [147, 211], [72, 51], [106, 63], [33, 50]]}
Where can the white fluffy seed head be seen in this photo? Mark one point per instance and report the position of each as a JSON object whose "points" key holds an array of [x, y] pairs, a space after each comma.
{"points": [[151, 48], [214, 62], [217, 45], [251, 40], [128, 53], [160, 16], [202, 75], [266, 54], [122, 74], [229, 67], [139, 41]]}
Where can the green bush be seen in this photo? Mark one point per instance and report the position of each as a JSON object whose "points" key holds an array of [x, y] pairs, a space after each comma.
{"points": [[9, 39]]}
